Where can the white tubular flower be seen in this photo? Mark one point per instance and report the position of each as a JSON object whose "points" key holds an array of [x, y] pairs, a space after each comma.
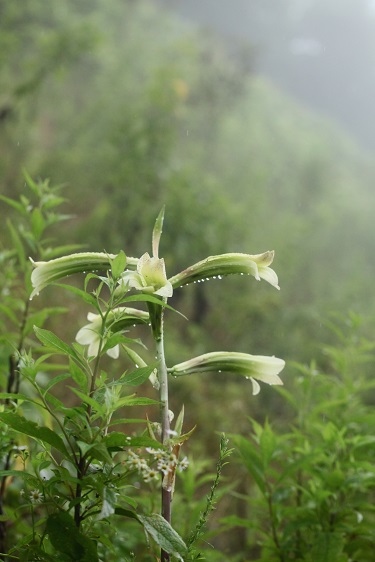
{"points": [[90, 335], [117, 320], [150, 277], [228, 264], [254, 367], [47, 272]]}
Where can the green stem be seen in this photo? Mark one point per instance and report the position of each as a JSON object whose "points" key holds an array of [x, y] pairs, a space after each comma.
{"points": [[157, 317]]}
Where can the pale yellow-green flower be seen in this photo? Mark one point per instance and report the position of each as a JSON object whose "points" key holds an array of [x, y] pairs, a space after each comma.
{"points": [[46, 272], [117, 320], [150, 277], [254, 367], [227, 264]]}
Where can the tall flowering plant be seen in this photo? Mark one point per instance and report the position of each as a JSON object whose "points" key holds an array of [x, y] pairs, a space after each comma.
{"points": [[144, 280]]}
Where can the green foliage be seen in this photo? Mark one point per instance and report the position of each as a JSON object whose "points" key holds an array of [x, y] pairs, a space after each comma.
{"points": [[75, 467], [314, 476]]}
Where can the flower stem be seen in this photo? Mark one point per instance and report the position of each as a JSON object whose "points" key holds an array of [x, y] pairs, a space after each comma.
{"points": [[157, 317]]}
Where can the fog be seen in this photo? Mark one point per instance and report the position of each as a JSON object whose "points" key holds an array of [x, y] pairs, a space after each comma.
{"points": [[321, 52]]}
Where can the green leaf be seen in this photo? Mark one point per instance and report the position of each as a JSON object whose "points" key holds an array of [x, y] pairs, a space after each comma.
{"points": [[267, 444], [326, 547], [164, 535], [109, 503], [66, 538], [30, 479], [180, 421], [154, 300], [54, 343], [156, 233], [86, 297], [118, 264], [17, 244], [78, 375], [95, 451], [31, 184], [129, 401], [15, 204], [251, 460], [44, 434], [37, 223], [126, 513], [90, 401], [16, 396], [138, 377]]}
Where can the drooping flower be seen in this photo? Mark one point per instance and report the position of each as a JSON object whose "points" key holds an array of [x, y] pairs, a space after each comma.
{"points": [[150, 277], [46, 272], [118, 319], [254, 367], [228, 264]]}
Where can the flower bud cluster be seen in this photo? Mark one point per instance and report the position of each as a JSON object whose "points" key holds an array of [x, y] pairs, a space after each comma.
{"points": [[160, 463]]}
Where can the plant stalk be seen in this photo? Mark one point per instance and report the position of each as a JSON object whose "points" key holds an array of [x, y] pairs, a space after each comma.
{"points": [[157, 318]]}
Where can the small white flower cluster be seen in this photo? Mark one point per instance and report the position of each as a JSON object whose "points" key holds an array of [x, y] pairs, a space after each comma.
{"points": [[165, 463]]}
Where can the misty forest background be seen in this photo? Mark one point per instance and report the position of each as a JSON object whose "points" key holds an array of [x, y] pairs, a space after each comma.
{"points": [[133, 107]]}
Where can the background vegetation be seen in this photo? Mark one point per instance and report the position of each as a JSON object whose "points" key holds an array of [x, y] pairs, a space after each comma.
{"points": [[132, 109]]}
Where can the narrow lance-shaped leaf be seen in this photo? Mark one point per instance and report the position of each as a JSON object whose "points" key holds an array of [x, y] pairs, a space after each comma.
{"points": [[262, 368], [51, 341], [44, 434], [228, 264], [156, 233]]}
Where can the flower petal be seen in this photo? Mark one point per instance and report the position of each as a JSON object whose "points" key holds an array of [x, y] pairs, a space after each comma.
{"points": [[86, 335], [114, 352], [256, 386]]}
